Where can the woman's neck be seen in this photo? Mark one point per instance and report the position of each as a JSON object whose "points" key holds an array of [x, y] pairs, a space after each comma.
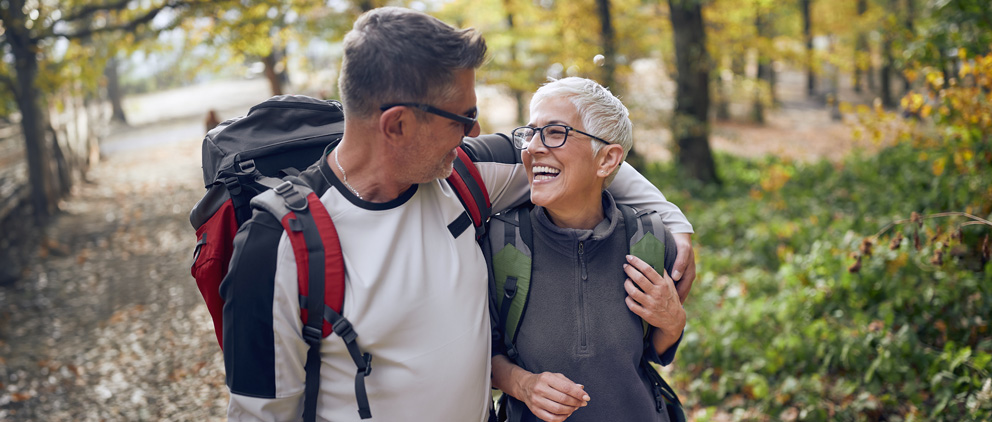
{"points": [[584, 215]]}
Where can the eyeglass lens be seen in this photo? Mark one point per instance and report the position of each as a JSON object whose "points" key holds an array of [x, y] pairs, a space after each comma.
{"points": [[552, 136]]}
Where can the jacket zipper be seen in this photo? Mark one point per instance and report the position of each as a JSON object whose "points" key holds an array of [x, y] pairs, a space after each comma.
{"points": [[582, 306]]}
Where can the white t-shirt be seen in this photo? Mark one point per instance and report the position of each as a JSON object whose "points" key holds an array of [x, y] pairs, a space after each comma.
{"points": [[414, 296]]}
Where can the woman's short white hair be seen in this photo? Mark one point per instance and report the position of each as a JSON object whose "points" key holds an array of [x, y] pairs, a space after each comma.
{"points": [[601, 112]]}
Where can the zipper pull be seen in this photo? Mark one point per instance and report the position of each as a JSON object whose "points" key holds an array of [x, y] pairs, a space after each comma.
{"points": [[582, 261]]}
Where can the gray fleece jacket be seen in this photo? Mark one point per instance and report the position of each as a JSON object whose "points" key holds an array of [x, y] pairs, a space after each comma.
{"points": [[576, 322]]}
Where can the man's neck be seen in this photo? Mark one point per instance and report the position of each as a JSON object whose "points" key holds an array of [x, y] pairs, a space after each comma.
{"points": [[368, 168]]}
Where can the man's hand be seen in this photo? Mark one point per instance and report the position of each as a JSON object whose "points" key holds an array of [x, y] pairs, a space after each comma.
{"points": [[684, 270]]}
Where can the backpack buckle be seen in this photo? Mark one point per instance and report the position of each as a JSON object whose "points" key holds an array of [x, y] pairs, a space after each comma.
{"points": [[368, 365], [512, 353], [344, 329], [247, 166], [659, 397], [294, 200], [233, 186], [312, 335], [510, 288]]}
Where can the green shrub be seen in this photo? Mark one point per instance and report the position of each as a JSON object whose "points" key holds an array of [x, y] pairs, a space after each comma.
{"points": [[796, 317]]}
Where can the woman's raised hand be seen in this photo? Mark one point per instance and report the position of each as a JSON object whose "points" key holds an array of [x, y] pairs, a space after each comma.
{"points": [[653, 297]]}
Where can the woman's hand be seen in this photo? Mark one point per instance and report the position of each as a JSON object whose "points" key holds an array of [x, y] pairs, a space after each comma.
{"points": [[653, 297], [551, 397]]}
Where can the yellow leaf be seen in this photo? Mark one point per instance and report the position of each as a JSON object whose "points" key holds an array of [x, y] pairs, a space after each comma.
{"points": [[967, 155], [892, 266], [965, 70], [938, 166]]}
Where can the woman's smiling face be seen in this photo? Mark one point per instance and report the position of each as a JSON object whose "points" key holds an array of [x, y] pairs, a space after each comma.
{"points": [[560, 177]]}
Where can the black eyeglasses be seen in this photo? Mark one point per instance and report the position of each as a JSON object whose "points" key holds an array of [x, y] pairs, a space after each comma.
{"points": [[552, 136], [467, 121]]}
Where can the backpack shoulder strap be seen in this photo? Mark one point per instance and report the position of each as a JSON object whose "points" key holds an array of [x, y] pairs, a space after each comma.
{"points": [[643, 229], [467, 182], [320, 274], [648, 238], [511, 242]]}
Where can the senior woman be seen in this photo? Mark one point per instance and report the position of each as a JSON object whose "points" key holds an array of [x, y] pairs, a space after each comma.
{"points": [[593, 313]]}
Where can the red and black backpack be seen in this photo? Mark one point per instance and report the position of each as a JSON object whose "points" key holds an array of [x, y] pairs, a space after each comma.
{"points": [[266, 164]]}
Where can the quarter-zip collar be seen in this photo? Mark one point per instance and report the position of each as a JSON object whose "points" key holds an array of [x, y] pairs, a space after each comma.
{"points": [[565, 240]]}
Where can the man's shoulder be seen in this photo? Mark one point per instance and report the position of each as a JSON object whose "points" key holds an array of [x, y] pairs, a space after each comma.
{"points": [[495, 148]]}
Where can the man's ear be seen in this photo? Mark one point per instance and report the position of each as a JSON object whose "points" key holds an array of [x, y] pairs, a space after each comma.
{"points": [[393, 124], [608, 159]]}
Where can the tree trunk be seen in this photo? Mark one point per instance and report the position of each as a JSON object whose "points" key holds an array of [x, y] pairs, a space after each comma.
{"points": [[888, 62], [861, 48], [808, 37], [25, 51], [608, 40], [366, 5], [764, 87], [886, 79], [271, 74], [114, 93], [518, 94], [690, 125], [723, 89], [33, 126], [910, 29]]}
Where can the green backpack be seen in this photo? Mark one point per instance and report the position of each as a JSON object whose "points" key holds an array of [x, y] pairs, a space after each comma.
{"points": [[509, 250]]}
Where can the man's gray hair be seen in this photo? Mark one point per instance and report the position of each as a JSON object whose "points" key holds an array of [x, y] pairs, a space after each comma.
{"points": [[402, 55], [601, 112]]}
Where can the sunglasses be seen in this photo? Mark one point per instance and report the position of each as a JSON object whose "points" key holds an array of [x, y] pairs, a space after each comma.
{"points": [[466, 121]]}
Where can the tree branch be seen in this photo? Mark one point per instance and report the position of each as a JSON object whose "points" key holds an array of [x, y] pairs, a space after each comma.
{"points": [[133, 24], [85, 12]]}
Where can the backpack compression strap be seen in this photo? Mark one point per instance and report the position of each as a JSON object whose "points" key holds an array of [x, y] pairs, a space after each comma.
{"points": [[467, 183], [320, 273], [644, 243], [511, 240]]}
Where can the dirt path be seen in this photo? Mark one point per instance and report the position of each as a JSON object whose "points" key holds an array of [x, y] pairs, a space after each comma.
{"points": [[107, 323]]}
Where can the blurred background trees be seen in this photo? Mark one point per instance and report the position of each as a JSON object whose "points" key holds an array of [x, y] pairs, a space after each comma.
{"points": [[782, 330], [880, 45]]}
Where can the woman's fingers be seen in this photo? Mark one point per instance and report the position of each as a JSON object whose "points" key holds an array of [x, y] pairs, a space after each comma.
{"points": [[642, 273], [650, 295], [553, 397], [562, 390]]}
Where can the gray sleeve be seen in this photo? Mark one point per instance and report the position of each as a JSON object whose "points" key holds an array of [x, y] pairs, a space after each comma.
{"points": [[632, 188]]}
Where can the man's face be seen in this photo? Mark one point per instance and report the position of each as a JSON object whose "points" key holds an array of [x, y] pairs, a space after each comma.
{"points": [[431, 152]]}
